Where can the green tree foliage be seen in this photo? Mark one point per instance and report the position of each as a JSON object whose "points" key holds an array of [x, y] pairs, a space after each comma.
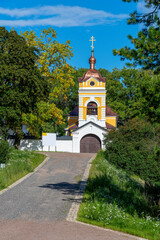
{"points": [[73, 95], [21, 83], [5, 150], [148, 18], [147, 45], [132, 92], [146, 51], [135, 147], [52, 63]]}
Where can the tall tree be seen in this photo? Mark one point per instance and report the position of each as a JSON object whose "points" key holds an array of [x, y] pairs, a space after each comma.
{"points": [[21, 83], [147, 45], [136, 149], [52, 63], [133, 92]]}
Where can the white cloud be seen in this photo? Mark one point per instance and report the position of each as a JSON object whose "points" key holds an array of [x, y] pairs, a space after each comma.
{"points": [[60, 16]]}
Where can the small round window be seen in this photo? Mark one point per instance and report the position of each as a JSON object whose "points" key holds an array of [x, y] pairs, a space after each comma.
{"points": [[92, 83]]}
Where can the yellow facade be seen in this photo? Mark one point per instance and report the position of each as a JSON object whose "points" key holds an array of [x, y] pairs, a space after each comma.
{"points": [[101, 108], [112, 121], [84, 113], [99, 113], [99, 100], [87, 84], [85, 99]]}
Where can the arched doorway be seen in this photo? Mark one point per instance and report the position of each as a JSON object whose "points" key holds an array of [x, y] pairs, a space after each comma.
{"points": [[90, 144]]}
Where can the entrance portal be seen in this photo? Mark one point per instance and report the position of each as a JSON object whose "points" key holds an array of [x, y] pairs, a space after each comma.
{"points": [[90, 144]]}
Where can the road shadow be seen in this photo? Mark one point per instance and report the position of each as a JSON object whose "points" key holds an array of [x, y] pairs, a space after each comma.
{"points": [[68, 189]]}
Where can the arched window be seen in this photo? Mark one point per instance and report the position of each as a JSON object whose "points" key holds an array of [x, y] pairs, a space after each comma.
{"points": [[92, 108]]}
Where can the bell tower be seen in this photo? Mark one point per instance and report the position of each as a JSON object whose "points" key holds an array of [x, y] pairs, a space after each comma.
{"points": [[92, 118], [92, 95]]}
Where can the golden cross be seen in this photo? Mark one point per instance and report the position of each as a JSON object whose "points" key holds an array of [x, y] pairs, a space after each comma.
{"points": [[92, 40]]}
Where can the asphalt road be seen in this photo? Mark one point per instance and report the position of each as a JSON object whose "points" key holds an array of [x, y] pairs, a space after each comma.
{"points": [[36, 209], [47, 195]]}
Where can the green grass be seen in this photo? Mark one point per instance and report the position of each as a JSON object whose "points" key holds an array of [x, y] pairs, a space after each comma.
{"points": [[116, 201], [20, 163]]}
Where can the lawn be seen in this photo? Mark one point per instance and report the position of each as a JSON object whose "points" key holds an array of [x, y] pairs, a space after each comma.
{"points": [[19, 164], [117, 201]]}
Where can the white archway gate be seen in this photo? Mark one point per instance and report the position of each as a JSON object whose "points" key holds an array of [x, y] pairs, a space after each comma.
{"points": [[90, 128]]}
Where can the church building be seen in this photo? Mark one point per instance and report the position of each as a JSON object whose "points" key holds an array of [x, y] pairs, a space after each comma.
{"points": [[92, 118]]}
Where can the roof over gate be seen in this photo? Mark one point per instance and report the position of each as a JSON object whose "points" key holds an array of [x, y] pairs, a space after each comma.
{"points": [[96, 125], [109, 112]]}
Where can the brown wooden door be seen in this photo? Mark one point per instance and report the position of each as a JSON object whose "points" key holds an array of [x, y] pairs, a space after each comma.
{"points": [[90, 144]]}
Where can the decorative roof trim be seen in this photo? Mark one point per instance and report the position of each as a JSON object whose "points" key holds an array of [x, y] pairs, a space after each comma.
{"points": [[82, 79], [104, 129], [72, 125]]}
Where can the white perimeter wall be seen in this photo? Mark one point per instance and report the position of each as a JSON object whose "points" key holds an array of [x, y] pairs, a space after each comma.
{"points": [[36, 145], [64, 146]]}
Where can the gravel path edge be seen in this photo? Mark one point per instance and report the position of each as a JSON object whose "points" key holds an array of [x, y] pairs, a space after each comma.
{"points": [[72, 215]]}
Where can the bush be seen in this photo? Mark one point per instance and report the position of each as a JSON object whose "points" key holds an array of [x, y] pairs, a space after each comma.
{"points": [[5, 150], [114, 200], [135, 148]]}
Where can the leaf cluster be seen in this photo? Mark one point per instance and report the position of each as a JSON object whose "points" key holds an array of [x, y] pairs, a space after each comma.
{"points": [[146, 51], [134, 92], [150, 17], [5, 150], [21, 83], [52, 63], [135, 147]]}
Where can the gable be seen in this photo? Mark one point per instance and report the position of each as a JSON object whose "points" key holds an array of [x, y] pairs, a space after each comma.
{"points": [[92, 83], [90, 124]]}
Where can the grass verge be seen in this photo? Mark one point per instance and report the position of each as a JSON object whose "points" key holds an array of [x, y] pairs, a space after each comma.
{"points": [[20, 163], [116, 201]]}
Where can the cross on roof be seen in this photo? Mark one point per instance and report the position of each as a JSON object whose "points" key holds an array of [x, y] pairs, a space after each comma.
{"points": [[92, 40]]}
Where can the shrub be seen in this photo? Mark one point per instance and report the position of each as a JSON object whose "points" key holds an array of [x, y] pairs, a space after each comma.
{"points": [[135, 148], [5, 150], [115, 200]]}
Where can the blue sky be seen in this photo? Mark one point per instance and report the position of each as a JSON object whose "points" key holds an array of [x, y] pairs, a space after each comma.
{"points": [[77, 21]]}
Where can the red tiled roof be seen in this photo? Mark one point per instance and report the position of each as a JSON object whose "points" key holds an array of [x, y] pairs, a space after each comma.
{"points": [[110, 112], [109, 126]]}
